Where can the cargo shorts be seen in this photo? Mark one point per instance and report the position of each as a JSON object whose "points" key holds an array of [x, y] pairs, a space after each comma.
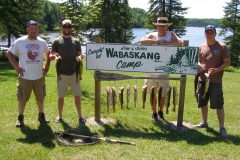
{"points": [[65, 82], [214, 94], [25, 88]]}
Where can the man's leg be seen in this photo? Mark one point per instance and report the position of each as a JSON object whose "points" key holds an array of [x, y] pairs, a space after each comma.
{"points": [[20, 119], [220, 115], [78, 106], [160, 112]]}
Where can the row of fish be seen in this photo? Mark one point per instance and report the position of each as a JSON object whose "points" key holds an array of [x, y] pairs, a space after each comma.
{"points": [[112, 97]]}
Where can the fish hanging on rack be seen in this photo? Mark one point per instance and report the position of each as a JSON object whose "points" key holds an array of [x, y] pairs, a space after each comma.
{"points": [[144, 95], [159, 95], [109, 98], [175, 98], [167, 98], [135, 95], [152, 95], [114, 98], [58, 67], [128, 95], [206, 85], [120, 93]]}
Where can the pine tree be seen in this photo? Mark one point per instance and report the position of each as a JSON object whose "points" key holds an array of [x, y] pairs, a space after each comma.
{"points": [[168, 8], [230, 23]]}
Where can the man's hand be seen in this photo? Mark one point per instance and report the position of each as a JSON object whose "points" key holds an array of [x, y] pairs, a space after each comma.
{"points": [[20, 71], [45, 70]]}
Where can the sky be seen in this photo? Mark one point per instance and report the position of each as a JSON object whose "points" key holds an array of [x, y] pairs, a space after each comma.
{"points": [[198, 8]]}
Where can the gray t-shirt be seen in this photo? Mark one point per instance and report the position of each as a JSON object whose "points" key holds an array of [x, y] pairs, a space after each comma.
{"points": [[68, 49]]}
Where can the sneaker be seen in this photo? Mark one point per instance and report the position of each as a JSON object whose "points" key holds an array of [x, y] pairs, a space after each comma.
{"points": [[202, 125], [82, 120], [223, 132], [20, 121], [154, 117], [160, 115], [41, 118]]}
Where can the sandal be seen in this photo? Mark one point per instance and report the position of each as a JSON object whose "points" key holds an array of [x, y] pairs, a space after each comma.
{"points": [[58, 119], [82, 120]]}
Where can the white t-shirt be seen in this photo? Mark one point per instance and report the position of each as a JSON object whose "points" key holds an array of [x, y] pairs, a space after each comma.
{"points": [[30, 54], [167, 38]]}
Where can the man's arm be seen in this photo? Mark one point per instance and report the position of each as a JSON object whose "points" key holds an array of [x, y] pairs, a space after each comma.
{"points": [[148, 39], [14, 63], [48, 61], [225, 64]]}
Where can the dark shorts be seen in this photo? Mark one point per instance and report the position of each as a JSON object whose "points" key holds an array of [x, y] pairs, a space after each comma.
{"points": [[214, 94], [25, 88]]}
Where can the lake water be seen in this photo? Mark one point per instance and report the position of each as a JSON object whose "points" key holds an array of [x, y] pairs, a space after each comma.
{"points": [[195, 35]]}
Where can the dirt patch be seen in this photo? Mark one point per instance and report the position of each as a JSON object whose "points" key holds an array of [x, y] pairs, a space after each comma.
{"points": [[183, 128], [103, 121]]}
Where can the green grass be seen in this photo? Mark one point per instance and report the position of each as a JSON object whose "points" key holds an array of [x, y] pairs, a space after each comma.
{"points": [[154, 140]]}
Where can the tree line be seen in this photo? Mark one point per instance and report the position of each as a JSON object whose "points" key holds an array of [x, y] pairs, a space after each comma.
{"points": [[112, 20]]}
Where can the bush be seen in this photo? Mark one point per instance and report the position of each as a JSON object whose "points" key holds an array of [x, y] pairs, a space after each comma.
{"points": [[232, 69]]}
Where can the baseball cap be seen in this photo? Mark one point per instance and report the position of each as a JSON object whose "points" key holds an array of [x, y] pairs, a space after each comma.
{"points": [[66, 21], [210, 27], [32, 22]]}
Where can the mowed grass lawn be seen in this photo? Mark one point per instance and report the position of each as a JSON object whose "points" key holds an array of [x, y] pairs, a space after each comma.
{"points": [[154, 140]]}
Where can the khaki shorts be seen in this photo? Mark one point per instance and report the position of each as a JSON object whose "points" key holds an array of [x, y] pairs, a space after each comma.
{"points": [[25, 87], [65, 82], [157, 83]]}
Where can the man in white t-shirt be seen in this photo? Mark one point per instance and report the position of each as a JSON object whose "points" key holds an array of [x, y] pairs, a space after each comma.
{"points": [[30, 50], [161, 37]]}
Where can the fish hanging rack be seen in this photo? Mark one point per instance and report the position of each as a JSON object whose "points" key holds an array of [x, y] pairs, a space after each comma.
{"points": [[101, 76]]}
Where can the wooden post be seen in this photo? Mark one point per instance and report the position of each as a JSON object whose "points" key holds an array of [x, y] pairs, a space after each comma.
{"points": [[181, 100], [182, 94], [97, 92]]}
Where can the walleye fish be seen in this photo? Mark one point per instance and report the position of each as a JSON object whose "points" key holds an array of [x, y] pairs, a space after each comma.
{"points": [[135, 95], [196, 85], [167, 98], [152, 95], [120, 93], [206, 85], [109, 98], [175, 98], [58, 67], [159, 95], [114, 98], [144, 95], [128, 95], [79, 69]]}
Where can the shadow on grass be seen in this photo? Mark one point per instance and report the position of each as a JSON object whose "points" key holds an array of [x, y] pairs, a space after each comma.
{"points": [[43, 135], [191, 136]]}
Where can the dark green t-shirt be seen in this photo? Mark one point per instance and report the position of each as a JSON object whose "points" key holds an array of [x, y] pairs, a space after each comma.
{"points": [[67, 48]]}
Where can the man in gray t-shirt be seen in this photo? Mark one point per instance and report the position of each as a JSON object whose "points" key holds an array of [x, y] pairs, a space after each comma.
{"points": [[68, 49]]}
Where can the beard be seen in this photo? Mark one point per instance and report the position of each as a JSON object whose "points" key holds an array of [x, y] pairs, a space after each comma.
{"points": [[67, 33]]}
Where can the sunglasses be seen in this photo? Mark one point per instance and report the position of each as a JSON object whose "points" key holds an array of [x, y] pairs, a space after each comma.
{"points": [[69, 27], [32, 22]]}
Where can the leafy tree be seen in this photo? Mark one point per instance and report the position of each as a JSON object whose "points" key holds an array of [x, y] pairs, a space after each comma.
{"points": [[230, 23], [171, 9], [138, 17], [115, 21], [16, 13], [53, 15]]}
